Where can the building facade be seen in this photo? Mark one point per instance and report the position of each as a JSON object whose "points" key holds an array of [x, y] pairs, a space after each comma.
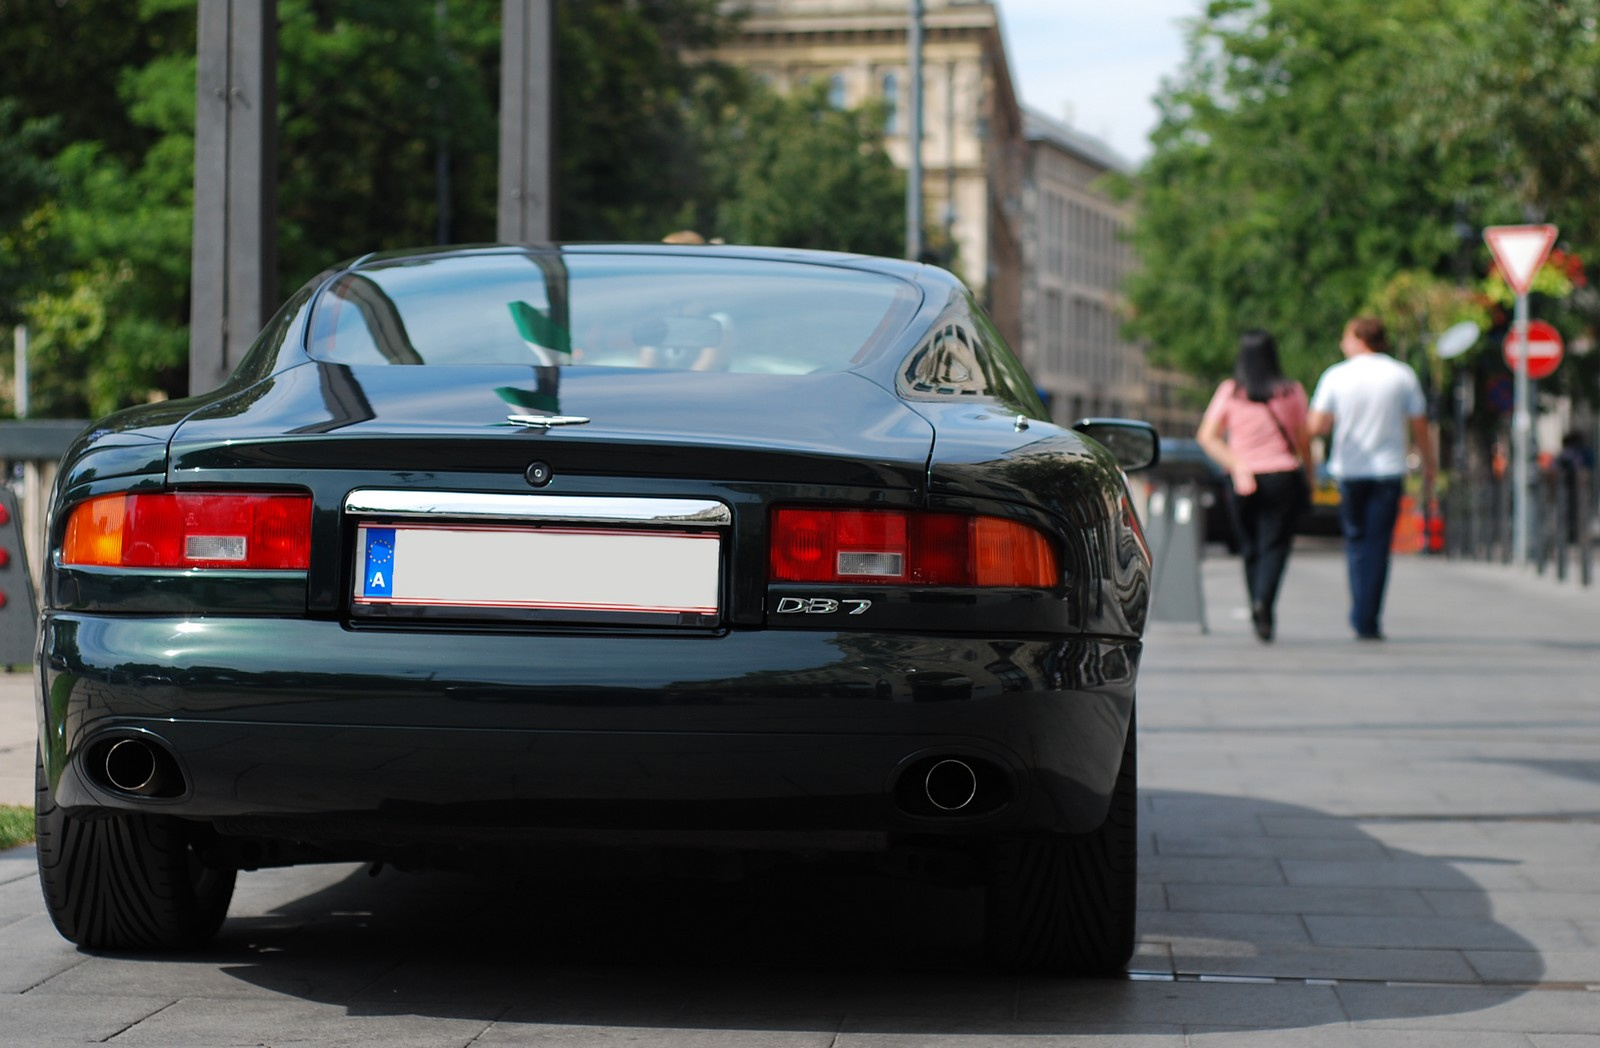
{"points": [[1014, 201], [1076, 256], [972, 144]]}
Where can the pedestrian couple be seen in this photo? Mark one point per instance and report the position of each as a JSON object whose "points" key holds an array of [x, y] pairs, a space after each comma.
{"points": [[1258, 428]]}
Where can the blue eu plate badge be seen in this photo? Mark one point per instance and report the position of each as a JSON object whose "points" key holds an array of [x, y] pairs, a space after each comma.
{"points": [[380, 562]]}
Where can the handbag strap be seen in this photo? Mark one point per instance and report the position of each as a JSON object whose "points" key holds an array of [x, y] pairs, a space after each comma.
{"points": [[1287, 440]]}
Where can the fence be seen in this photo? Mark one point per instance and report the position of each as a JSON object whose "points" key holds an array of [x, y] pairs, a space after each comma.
{"points": [[31, 448], [1562, 521]]}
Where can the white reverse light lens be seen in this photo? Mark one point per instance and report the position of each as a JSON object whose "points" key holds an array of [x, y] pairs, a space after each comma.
{"points": [[883, 565], [213, 547]]}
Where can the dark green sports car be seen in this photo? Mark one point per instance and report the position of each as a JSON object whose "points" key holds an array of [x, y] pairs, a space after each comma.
{"points": [[521, 554]]}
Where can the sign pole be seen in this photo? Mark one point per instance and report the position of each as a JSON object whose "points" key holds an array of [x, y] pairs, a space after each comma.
{"points": [[1521, 432], [1519, 251]]}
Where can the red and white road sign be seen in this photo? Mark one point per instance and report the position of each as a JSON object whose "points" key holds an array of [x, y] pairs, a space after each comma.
{"points": [[1544, 349], [1520, 251]]}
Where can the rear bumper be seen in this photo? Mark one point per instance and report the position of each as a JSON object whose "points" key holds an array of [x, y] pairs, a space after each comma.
{"points": [[313, 731]]}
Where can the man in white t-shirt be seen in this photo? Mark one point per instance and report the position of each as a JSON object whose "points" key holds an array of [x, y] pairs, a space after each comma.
{"points": [[1370, 402]]}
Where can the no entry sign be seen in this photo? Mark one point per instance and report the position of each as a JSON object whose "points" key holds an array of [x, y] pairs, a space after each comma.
{"points": [[1544, 349]]}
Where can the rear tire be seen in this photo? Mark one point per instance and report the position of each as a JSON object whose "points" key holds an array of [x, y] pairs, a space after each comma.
{"points": [[126, 881], [1067, 904]]}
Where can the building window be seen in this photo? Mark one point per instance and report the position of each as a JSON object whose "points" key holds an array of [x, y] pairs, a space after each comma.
{"points": [[891, 104], [836, 91]]}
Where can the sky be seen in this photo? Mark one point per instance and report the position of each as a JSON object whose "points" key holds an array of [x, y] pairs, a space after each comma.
{"points": [[1096, 63]]}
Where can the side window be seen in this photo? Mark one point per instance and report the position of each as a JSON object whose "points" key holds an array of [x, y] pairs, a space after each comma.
{"points": [[1007, 379], [947, 364]]}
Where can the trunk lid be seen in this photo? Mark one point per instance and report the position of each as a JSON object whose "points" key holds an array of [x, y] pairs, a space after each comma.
{"points": [[829, 428]]}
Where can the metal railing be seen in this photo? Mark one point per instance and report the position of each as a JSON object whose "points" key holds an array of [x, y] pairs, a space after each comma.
{"points": [[31, 449], [1562, 530]]}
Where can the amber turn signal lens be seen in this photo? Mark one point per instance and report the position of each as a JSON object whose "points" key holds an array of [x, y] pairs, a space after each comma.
{"points": [[244, 530]]}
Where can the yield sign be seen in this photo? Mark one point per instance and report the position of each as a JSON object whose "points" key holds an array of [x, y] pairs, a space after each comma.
{"points": [[1520, 251], [1544, 349]]}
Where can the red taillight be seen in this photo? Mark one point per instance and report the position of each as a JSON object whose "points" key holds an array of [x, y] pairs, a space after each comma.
{"points": [[894, 546], [191, 530]]}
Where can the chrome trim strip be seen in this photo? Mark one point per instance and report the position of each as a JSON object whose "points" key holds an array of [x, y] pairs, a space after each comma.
{"points": [[546, 421], [586, 509]]}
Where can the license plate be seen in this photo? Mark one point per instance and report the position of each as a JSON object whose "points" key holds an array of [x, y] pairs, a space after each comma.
{"points": [[573, 569]]}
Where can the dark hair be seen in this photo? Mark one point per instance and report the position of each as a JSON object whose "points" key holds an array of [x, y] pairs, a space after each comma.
{"points": [[1371, 332], [1256, 373]]}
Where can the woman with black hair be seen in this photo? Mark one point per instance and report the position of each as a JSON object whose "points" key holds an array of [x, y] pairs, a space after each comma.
{"points": [[1255, 429]]}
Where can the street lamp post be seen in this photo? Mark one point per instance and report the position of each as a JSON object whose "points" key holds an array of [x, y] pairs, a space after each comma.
{"points": [[914, 137]]}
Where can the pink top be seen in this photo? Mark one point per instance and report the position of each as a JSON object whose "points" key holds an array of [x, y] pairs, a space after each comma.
{"points": [[1248, 426]]}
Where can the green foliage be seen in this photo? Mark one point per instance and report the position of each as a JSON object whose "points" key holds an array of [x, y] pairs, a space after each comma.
{"points": [[795, 172], [629, 156], [1287, 183], [16, 825], [1320, 158], [371, 93], [375, 98], [26, 178], [111, 328]]}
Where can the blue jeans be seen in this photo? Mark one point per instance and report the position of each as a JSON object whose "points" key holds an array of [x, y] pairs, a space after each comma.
{"points": [[1368, 510]]}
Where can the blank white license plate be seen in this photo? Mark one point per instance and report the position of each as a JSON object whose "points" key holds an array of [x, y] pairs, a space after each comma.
{"points": [[580, 569]]}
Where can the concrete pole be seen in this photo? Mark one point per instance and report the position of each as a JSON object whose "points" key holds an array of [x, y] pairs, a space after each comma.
{"points": [[19, 335], [233, 285], [527, 122], [914, 137]]}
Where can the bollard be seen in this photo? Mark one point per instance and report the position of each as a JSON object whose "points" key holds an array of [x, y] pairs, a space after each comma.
{"points": [[1176, 536], [18, 611]]}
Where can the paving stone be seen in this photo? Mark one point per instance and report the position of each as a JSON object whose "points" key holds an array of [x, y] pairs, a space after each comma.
{"points": [[1517, 905], [1212, 871], [207, 1022], [32, 1021], [1369, 902], [1178, 1003], [18, 864], [32, 953], [915, 1034], [1192, 845], [1255, 928], [1536, 966], [698, 1033], [1458, 1008], [1343, 1036], [1405, 872], [1309, 962], [1444, 933]]}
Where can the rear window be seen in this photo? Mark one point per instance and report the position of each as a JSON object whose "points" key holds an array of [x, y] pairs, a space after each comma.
{"points": [[652, 311]]}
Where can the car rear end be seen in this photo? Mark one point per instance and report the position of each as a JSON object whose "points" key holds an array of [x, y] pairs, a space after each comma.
{"points": [[355, 610]]}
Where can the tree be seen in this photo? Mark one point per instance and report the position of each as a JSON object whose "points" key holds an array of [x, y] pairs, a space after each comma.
{"points": [[629, 154], [375, 99], [26, 179], [793, 171], [1289, 179]]}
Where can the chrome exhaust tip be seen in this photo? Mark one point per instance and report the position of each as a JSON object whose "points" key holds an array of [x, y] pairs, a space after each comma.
{"points": [[130, 765], [950, 784], [136, 765]]}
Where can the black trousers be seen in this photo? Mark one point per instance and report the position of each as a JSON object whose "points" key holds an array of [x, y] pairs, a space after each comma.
{"points": [[1265, 522]]}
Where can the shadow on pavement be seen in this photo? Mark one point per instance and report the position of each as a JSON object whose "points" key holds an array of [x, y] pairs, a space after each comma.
{"points": [[1255, 896]]}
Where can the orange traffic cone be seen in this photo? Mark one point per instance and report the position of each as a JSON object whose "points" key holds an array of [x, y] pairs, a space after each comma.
{"points": [[1408, 529]]}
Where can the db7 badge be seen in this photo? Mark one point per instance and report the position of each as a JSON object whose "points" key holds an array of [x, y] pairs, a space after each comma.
{"points": [[820, 606]]}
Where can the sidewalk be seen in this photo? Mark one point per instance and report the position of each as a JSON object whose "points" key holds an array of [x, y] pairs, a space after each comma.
{"points": [[18, 729], [1374, 845]]}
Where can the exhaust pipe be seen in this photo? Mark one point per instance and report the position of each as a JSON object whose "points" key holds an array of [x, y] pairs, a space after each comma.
{"points": [[950, 784], [134, 766]]}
